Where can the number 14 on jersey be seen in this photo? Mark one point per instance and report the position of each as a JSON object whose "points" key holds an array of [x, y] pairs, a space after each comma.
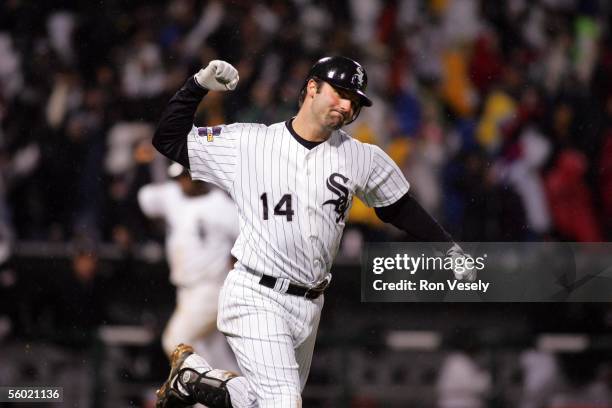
{"points": [[283, 207]]}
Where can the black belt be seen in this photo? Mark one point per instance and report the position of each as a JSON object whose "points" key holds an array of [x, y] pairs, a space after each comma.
{"points": [[296, 290]]}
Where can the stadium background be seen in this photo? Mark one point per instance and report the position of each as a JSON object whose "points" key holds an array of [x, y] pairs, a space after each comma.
{"points": [[499, 112]]}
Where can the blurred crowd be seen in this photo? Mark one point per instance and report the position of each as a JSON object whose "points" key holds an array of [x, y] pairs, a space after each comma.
{"points": [[499, 112]]}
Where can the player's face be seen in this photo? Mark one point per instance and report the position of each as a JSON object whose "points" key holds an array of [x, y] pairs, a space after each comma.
{"points": [[333, 107]]}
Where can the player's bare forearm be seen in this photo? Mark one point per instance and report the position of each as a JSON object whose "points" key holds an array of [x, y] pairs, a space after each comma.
{"points": [[170, 137]]}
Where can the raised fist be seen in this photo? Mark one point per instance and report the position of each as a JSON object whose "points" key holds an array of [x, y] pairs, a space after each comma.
{"points": [[218, 76]]}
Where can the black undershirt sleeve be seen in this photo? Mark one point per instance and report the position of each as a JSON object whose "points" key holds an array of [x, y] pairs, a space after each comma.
{"points": [[408, 215], [170, 137]]}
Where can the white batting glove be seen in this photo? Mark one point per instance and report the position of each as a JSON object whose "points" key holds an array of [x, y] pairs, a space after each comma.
{"points": [[461, 271], [218, 76]]}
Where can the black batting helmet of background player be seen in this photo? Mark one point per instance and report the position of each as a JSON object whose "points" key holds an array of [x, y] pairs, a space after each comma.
{"points": [[342, 73]]}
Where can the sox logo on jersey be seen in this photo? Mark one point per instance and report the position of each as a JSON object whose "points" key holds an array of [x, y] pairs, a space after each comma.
{"points": [[341, 203]]}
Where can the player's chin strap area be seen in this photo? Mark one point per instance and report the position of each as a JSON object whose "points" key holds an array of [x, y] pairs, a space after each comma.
{"points": [[282, 285], [206, 388]]}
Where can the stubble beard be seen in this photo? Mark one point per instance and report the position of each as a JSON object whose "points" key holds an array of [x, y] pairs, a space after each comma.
{"points": [[333, 123], [337, 126]]}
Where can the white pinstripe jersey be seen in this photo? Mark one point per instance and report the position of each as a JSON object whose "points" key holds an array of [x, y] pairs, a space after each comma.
{"points": [[292, 201]]}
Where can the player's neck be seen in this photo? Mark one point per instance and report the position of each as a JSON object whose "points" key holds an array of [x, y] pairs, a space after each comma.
{"points": [[308, 129]]}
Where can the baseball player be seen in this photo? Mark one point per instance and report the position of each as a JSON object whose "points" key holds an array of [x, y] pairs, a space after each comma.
{"points": [[202, 226], [293, 183]]}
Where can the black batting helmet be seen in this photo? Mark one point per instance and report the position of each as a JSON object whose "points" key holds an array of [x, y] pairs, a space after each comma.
{"points": [[343, 73]]}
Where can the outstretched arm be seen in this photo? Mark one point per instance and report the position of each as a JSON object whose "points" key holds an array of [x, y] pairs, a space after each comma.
{"points": [[408, 215], [170, 137]]}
